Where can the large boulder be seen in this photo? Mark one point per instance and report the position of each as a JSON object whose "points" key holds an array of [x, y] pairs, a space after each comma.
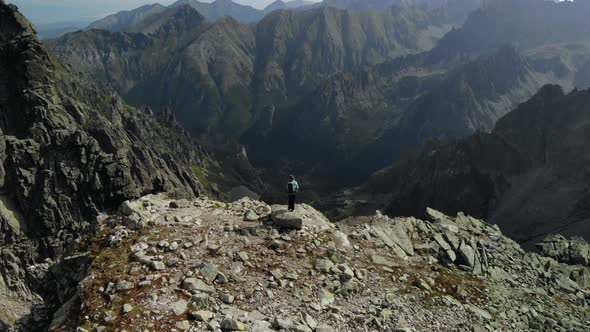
{"points": [[303, 216], [286, 219]]}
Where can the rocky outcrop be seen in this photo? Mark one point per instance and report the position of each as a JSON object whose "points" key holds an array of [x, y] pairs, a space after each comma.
{"points": [[67, 152], [198, 265], [572, 251]]}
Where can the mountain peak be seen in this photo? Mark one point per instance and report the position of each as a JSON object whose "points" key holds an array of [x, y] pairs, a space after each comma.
{"points": [[125, 19], [12, 22], [218, 9], [180, 18]]}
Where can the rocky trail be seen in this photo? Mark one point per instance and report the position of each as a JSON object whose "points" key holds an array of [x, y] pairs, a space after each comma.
{"points": [[203, 265]]}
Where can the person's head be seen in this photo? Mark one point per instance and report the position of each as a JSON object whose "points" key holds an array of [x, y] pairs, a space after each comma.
{"points": [[291, 177]]}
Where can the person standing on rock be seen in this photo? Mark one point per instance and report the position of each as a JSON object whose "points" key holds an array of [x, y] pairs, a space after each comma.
{"points": [[292, 189]]}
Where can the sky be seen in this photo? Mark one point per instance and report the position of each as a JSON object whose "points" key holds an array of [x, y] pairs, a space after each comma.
{"points": [[51, 11]]}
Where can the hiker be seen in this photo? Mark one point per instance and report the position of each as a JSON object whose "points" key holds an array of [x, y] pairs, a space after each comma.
{"points": [[292, 189]]}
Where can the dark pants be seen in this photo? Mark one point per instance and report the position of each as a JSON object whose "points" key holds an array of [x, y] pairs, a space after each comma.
{"points": [[291, 202]]}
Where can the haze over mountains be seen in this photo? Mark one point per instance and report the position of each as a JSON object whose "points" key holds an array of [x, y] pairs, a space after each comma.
{"points": [[213, 11], [219, 9]]}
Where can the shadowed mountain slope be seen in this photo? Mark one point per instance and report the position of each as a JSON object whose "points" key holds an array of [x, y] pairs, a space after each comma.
{"points": [[529, 176]]}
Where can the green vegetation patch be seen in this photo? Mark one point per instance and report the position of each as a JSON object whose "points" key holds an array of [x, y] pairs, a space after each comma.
{"points": [[201, 175]]}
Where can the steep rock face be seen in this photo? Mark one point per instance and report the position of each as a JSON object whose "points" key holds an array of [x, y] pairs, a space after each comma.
{"points": [[125, 59], [529, 175], [69, 151]]}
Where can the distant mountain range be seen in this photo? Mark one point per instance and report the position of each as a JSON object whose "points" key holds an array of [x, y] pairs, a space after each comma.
{"points": [[219, 9], [234, 73], [337, 94], [293, 4], [124, 19], [213, 11]]}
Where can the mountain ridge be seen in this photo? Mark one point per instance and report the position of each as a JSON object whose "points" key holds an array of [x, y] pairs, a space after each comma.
{"points": [[219, 9], [123, 19]]}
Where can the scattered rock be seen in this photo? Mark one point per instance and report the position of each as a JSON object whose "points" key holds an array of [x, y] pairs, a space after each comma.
{"points": [[326, 298], [228, 324], [313, 276], [127, 308], [226, 298], [183, 325], [380, 260], [202, 315], [420, 283], [251, 216], [157, 266], [466, 255], [478, 312], [179, 307], [243, 256], [573, 251], [261, 326], [209, 272], [341, 240], [194, 284]]}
